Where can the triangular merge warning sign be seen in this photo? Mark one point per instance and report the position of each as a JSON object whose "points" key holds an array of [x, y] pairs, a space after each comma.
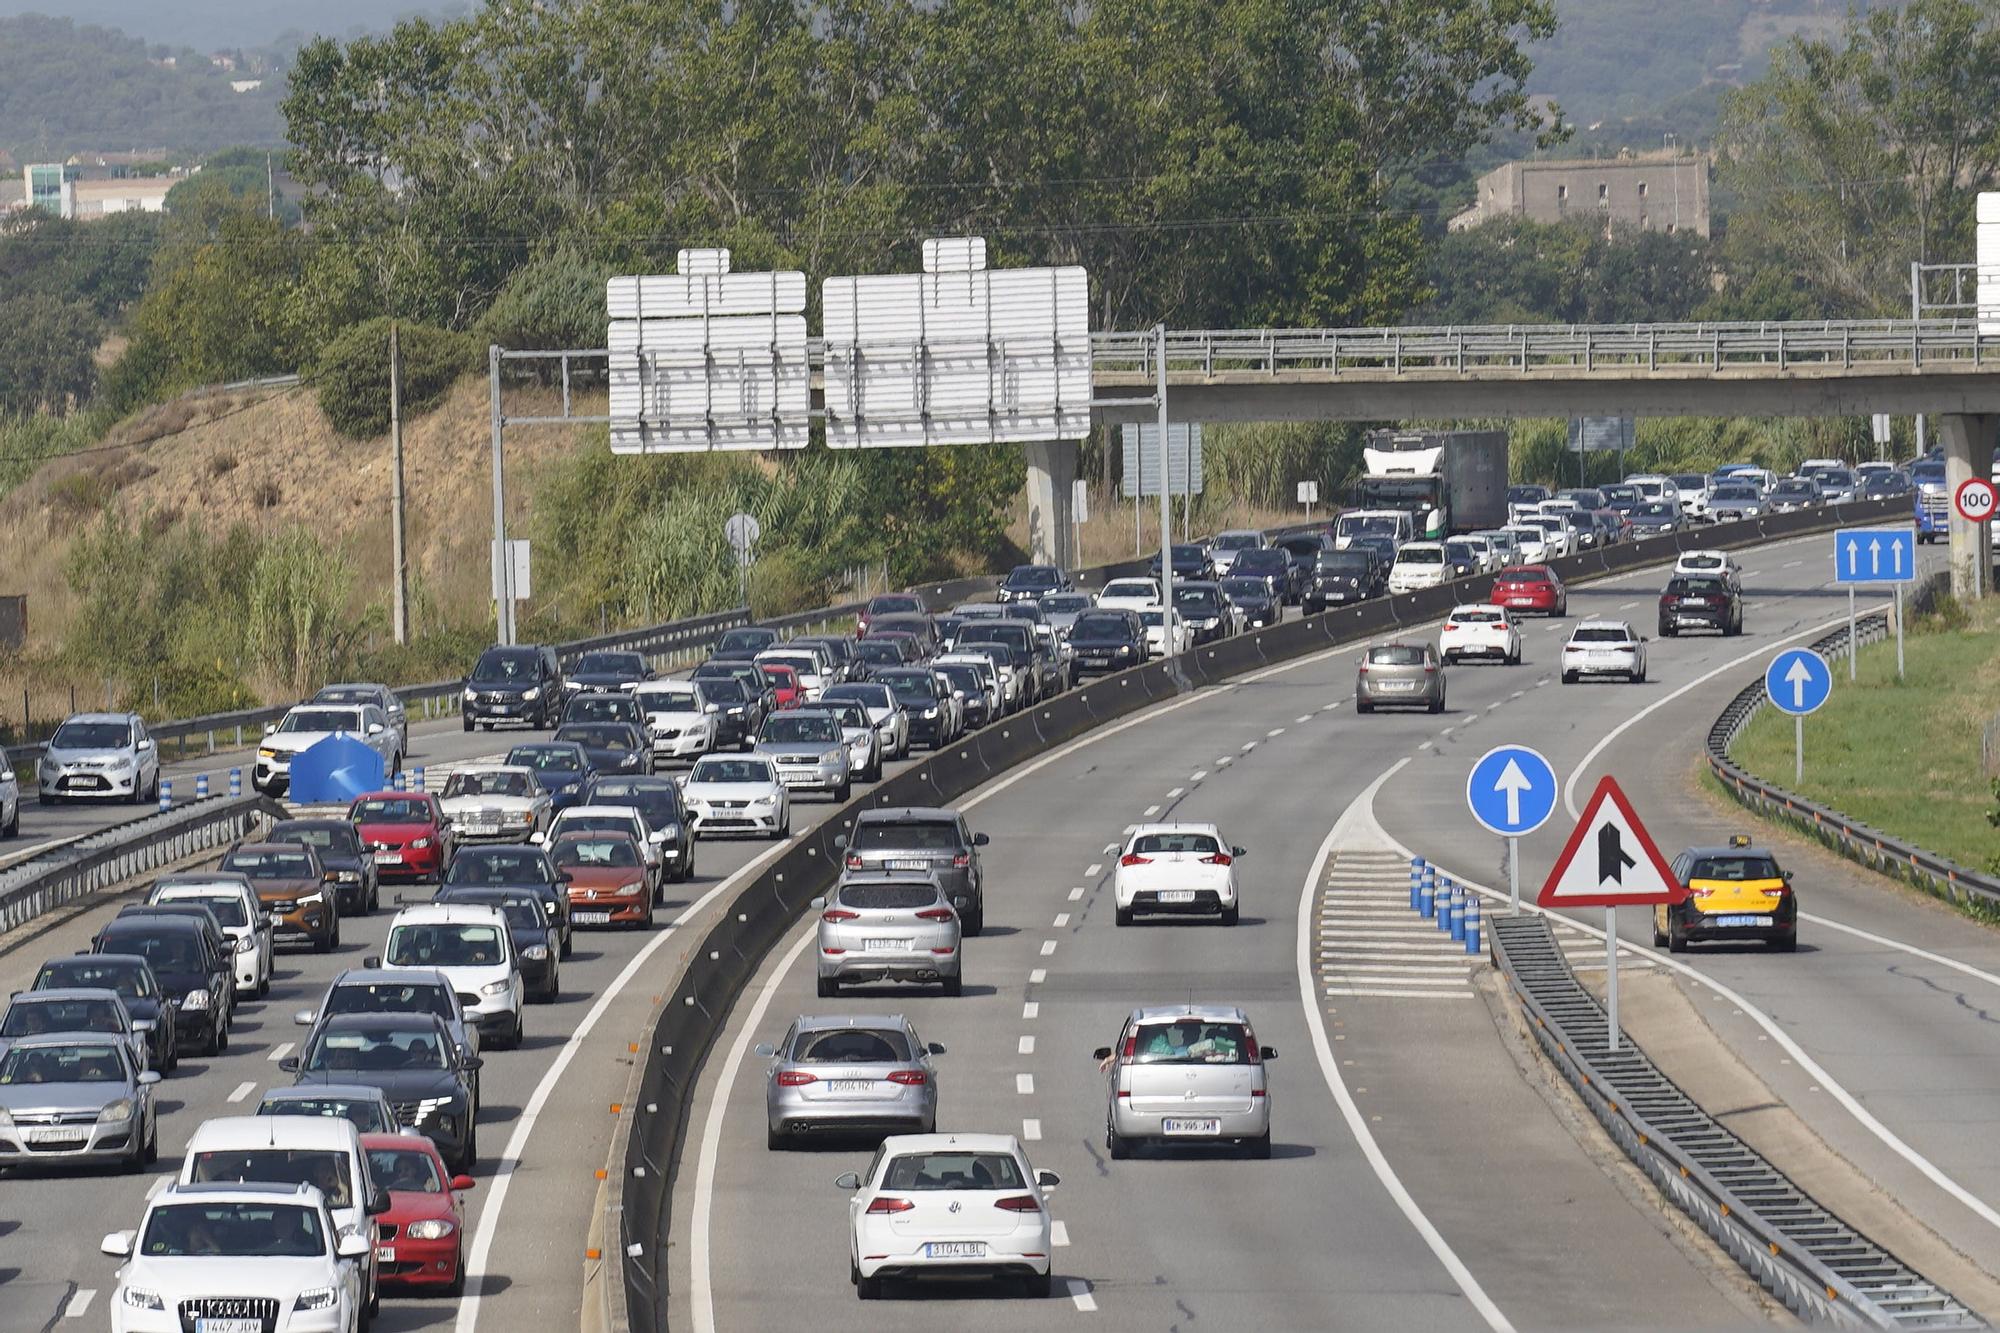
{"points": [[1610, 859]]}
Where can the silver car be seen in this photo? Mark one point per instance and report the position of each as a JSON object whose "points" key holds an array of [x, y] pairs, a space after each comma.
{"points": [[864, 743], [363, 1103], [92, 1009], [76, 1097], [102, 755], [849, 1074], [1399, 675], [384, 698], [888, 928], [1184, 1074], [809, 752], [891, 722]]}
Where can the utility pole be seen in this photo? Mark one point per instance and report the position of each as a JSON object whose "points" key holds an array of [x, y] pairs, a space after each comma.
{"points": [[400, 615], [271, 201]]}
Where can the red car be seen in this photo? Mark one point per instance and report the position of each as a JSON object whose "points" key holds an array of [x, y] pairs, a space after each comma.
{"points": [[1531, 588], [420, 1241], [887, 604], [405, 830], [606, 874], [784, 684]]}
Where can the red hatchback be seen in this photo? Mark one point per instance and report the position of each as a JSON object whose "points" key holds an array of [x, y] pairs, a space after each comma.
{"points": [[1531, 588], [420, 1241], [784, 684], [406, 832]]}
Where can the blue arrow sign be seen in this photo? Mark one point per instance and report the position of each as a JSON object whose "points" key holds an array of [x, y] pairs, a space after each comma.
{"points": [[1798, 681], [1875, 555], [1511, 790]]}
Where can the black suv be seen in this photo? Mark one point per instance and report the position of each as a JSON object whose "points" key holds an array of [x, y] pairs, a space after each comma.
{"points": [[1205, 609], [1031, 583], [197, 981], [1701, 601], [1105, 640], [413, 1059], [1340, 577], [521, 683]]}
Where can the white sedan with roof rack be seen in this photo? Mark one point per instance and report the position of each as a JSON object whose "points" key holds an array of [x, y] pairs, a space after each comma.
{"points": [[1485, 632], [1176, 870]]}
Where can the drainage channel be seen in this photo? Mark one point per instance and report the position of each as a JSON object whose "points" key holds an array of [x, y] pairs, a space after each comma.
{"points": [[1821, 1268]]}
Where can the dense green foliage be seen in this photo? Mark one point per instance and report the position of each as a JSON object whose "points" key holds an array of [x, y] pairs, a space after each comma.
{"points": [[248, 173], [1512, 271], [352, 373]]}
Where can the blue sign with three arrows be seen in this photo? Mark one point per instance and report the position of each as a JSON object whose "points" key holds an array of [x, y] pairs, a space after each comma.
{"points": [[1875, 555]]}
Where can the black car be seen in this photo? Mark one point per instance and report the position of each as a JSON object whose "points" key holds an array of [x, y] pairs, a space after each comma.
{"points": [[412, 1058], [763, 700], [879, 653], [1205, 610], [1463, 560], [1793, 493], [195, 980], [606, 671], [1694, 601], [521, 683], [348, 865], [600, 706], [560, 766], [739, 713], [1304, 549], [923, 697], [1105, 640], [132, 977], [658, 801], [1341, 577], [1024, 652], [1253, 598], [740, 645], [1032, 583], [919, 627], [1655, 517], [1380, 545], [511, 866], [611, 747], [1880, 485], [966, 682], [1190, 562], [1621, 499], [538, 940], [1526, 495]]}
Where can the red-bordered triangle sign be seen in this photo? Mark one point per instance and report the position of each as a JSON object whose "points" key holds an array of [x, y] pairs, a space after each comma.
{"points": [[1610, 859]]}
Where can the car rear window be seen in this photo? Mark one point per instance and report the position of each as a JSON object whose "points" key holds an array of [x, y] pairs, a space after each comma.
{"points": [[931, 835], [279, 1166], [1734, 868], [1420, 555], [1195, 844], [953, 1171], [1599, 634], [1525, 575], [887, 897], [1697, 586], [851, 1046], [269, 865], [1191, 1041], [1477, 617], [1395, 654]]}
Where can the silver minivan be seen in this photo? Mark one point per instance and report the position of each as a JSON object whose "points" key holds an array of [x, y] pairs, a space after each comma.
{"points": [[1187, 1074]]}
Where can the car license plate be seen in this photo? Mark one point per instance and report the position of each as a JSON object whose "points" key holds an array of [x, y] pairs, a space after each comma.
{"points": [[1176, 895], [1520, 601], [57, 1137], [885, 946], [955, 1249], [850, 1085], [481, 830], [1399, 686], [388, 858], [591, 918], [792, 779], [1190, 1126], [385, 1254], [228, 1326], [1743, 921], [909, 865]]}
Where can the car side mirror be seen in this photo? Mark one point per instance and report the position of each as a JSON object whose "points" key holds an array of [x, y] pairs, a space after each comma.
{"points": [[764, 1050], [935, 1048], [378, 1201], [712, 708], [538, 837], [460, 1184], [473, 1063], [565, 877], [847, 1180], [1785, 875], [375, 728], [351, 1246], [290, 1064], [1048, 1180], [149, 1077], [980, 840], [819, 904], [270, 727], [1101, 1053], [145, 745], [303, 1018], [1237, 851], [1267, 1052], [118, 1244], [373, 960]]}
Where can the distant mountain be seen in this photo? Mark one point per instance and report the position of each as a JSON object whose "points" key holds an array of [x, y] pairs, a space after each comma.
{"points": [[211, 25]]}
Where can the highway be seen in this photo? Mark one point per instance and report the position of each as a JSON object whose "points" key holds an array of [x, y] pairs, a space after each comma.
{"points": [[1420, 1178]]}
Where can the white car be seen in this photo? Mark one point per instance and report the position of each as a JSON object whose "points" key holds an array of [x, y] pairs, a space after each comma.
{"points": [[1709, 564], [1604, 648], [810, 666], [384, 698], [737, 794], [1167, 632], [1418, 565], [472, 947], [223, 1254], [1558, 537], [950, 1206], [989, 676], [10, 802], [1223, 550], [613, 819], [1176, 870], [1129, 595], [680, 720], [1531, 544], [1693, 487], [1488, 555], [1654, 488], [1505, 544], [1486, 632], [892, 724], [307, 725], [242, 917], [495, 803]]}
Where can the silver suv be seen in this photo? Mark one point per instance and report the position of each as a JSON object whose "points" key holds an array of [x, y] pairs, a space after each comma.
{"points": [[888, 928], [925, 840], [1187, 1074], [100, 755], [1399, 675]]}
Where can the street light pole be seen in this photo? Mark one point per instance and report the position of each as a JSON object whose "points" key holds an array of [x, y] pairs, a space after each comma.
{"points": [[503, 578], [1166, 500]]}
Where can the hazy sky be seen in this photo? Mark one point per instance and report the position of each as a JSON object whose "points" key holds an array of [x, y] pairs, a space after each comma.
{"points": [[210, 24]]}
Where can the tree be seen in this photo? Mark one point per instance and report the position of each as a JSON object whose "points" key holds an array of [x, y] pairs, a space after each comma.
{"points": [[1511, 271], [248, 174], [46, 358]]}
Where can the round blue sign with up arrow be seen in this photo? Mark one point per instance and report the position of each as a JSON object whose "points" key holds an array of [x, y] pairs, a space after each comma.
{"points": [[1799, 681], [1511, 790]]}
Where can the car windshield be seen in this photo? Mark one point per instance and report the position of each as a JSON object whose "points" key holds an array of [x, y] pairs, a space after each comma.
{"points": [[886, 897], [1526, 494], [1132, 588], [878, 651], [1601, 634], [321, 837], [1836, 478], [411, 1170], [1255, 590], [1109, 623], [546, 758], [1697, 586], [1152, 617], [791, 728], [70, 1063], [228, 907], [1793, 487], [269, 864], [390, 810], [1341, 562], [365, 1113], [130, 980], [376, 1050], [497, 865], [1066, 603], [852, 1046], [321, 719], [1655, 509], [1192, 555], [600, 708], [506, 666], [389, 997], [965, 679], [598, 735], [1032, 576], [1012, 636], [915, 1172], [1885, 483], [28, 1017], [908, 688], [1735, 868], [91, 736], [1477, 617], [1395, 654], [571, 852], [1239, 541], [1262, 558], [1420, 555], [1525, 574], [322, 1168], [351, 694], [233, 1230], [724, 690], [594, 823], [444, 944], [934, 835], [1163, 844], [889, 604], [610, 664], [1732, 493], [488, 784], [174, 951], [1198, 601], [730, 770], [1191, 1041], [671, 699], [1460, 552]]}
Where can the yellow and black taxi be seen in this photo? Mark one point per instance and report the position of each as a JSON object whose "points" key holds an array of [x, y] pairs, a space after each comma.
{"points": [[1736, 892]]}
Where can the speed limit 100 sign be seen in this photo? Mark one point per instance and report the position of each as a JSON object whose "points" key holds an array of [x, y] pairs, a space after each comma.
{"points": [[1975, 499]]}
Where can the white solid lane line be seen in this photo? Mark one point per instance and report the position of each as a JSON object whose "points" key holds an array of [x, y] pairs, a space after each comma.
{"points": [[1925, 954], [1357, 1124], [79, 1303]]}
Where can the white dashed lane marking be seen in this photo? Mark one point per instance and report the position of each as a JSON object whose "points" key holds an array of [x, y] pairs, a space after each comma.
{"points": [[1048, 947], [1038, 976], [1095, 868], [1152, 810], [1031, 1010], [1027, 1046], [279, 1052], [1175, 793], [1199, 774], [79, 1303], [1079, 1291], [242, 1090], [1024, 1084], [1076, 895], [1062, 920], [1031, 1130]]}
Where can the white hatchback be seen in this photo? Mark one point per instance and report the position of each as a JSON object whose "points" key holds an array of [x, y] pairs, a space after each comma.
{"points": [[680, 720], [1709, 564], [1129, 594], [1604, 648], [237, 910], [1484, 632], [949, 1206], [1176, 870], [474, 949], [1418, 565], [737, 794]]}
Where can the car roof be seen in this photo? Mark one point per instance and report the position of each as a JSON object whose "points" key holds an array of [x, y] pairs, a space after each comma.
{"points": [[102, 717], [905, 1143], [354, 685], [259, 1131], [1600, 622], [240, 1191], [153, 921], [1752, 850], [388, 794], [904, 814], [54, 993], [306, 822], [607, 811], [1150, 1013], [877, 876], [1474, 606], [512, 770], [65, 1039], [377, 1022], [391, 976], [836, 1022], [419, 914], [196, 880], [275, 846], [1175, 828], [302, 1092]]}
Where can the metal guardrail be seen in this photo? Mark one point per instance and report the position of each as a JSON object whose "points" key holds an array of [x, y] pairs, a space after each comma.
{"points": [[1871, 847], [1822, 1269], [78, 867], [1535, 349]]}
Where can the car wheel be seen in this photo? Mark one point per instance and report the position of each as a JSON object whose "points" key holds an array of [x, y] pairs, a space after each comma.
{"points": [[264, 984], [1437, 704], [336, 931], [1124, 916], [152, 1144], [1786, 943], [1638, 677], [1659, 938], [14, 822], [1363, 706], [775, 1142], [456, 1288], [845, 790], [1037, 1286], [554, 990], [568, 946], [868, 1288], [1117, 1144], [1666, 631], [43, 798], [1569, 677], [1229, 914], [1676, 938], [1259, 1148], [953, 985], [218, 1038], [974, 921], [828, 988]]}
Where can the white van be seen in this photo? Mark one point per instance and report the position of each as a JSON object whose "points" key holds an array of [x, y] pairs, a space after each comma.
{"points": [[1394, 523], [321, 1151], [1418, 565], [1655, 488], [472, 947]]}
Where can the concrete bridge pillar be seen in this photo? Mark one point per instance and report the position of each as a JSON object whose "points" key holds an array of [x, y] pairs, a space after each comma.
{"points": [[1051, 519], [1968, 452]]}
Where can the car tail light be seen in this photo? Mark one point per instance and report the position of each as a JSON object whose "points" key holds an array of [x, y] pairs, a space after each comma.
{"points": [[1019, 1203], [1430, 668], [796, 1078], [1701, 893], [890, 1205], [1216, 859], [853, 861], [909, 1078], [935, 914], [962, 861], [833, 952], [1364, 668], [945, 952], [838, 914], [1130, 1048], [1778, 892], [1256, 1052], [1134, 859]]}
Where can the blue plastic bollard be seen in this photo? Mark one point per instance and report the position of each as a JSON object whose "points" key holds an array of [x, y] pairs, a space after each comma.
{"points": [[1443, 901], [417, 779], [235, 782], [1416, 880], [397, 782], [201, 786], [1458, 914], [166, 793], [1472, 927], [1427, 893]]}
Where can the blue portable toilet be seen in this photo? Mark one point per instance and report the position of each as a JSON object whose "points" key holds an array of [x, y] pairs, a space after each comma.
{"points": [[334, 771]]}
